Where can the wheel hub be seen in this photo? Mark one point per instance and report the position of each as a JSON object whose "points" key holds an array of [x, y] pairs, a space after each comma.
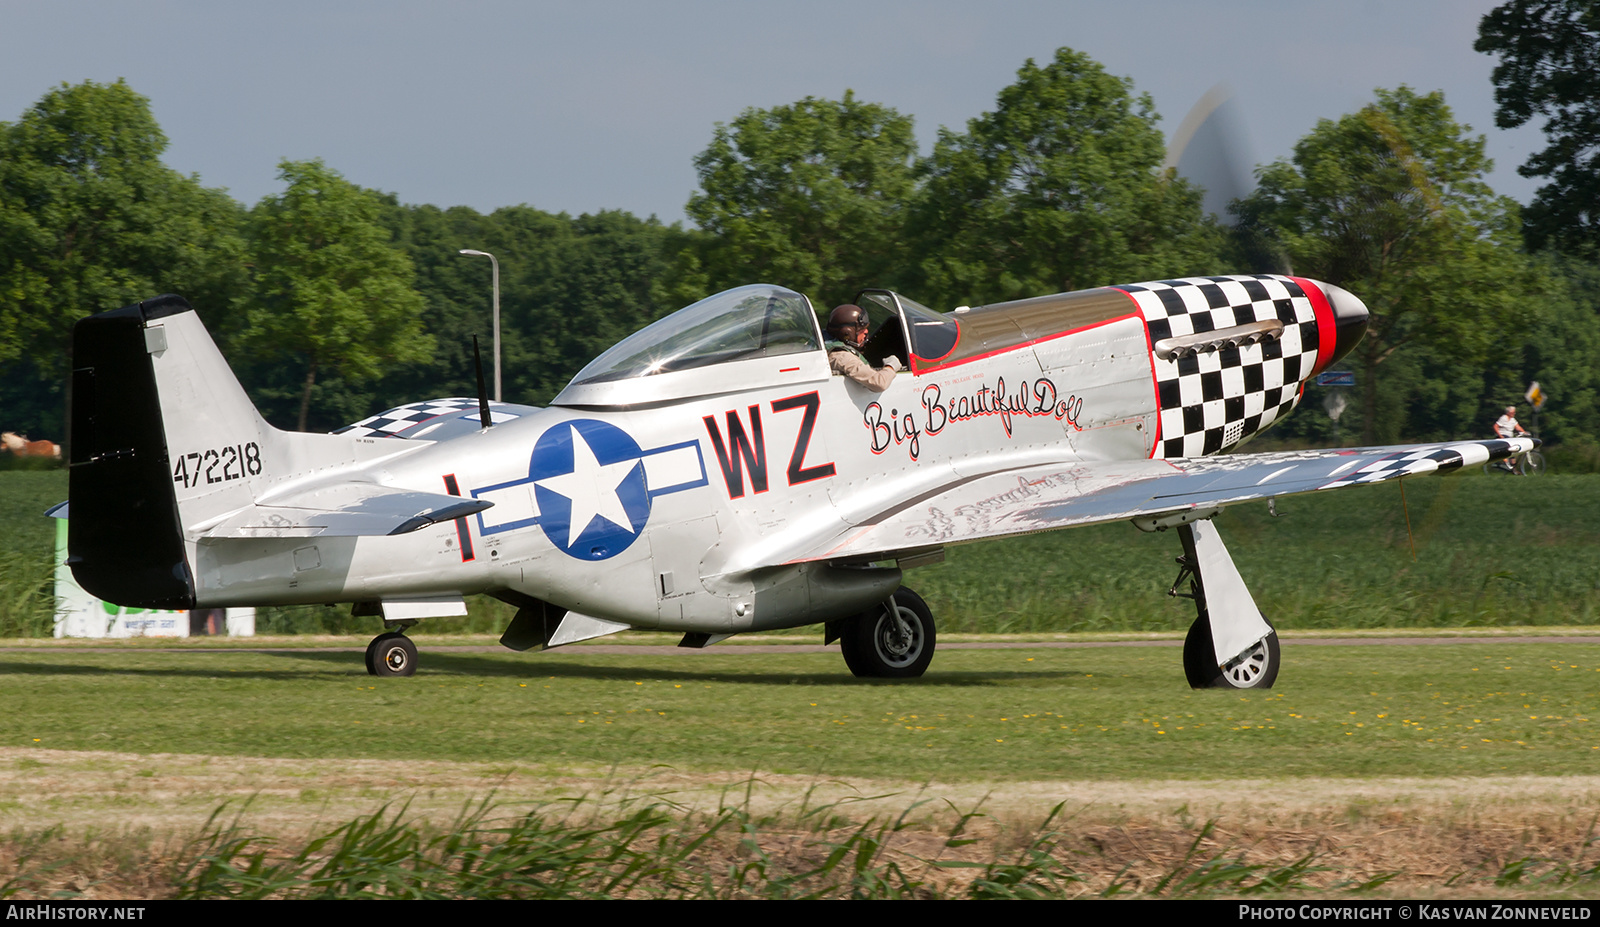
{"points": [[1245, 671], [896, 637], [395, 658]]}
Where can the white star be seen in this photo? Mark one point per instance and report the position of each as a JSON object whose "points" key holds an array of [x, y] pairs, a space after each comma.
{"points": [[592, 488]]}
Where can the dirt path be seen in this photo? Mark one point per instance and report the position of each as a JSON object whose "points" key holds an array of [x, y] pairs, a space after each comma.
{"points": [[43, 787]]}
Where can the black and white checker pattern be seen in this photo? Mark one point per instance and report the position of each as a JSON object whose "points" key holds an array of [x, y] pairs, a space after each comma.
{"points": [[1213, 400], [394, 423], [1428, 460]]}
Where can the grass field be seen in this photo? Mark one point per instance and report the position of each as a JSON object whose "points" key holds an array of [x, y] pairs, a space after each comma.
{"points": [[1365, 756], [1492, 551], [1381, 709], [1437, 769], [1114, 713]]}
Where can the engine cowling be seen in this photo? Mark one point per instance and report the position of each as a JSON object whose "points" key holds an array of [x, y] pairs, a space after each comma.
{"points": [[1232, 355]]}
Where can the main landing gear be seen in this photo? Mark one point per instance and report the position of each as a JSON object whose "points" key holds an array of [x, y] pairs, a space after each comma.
{"points": [[1256, 669], [894, 640], [1230, 645], [391, 654]]}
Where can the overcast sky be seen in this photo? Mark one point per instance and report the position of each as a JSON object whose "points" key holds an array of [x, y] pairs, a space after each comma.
{"points": [[579, 107]]}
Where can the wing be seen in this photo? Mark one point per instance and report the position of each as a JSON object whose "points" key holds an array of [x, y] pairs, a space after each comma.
{"points": [[1151, 493]]}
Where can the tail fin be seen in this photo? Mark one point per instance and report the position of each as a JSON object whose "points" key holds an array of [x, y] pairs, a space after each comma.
{"points": [[168, 451], [125, 539], [164, 439]]}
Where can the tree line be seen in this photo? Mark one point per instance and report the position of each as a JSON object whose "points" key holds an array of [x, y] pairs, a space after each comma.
{"points": [[334, 302]]}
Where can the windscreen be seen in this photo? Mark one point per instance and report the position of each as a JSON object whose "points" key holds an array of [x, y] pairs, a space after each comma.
{"points": [[738, 324]]}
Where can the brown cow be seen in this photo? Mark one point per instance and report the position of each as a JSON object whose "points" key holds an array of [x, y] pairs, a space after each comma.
{"points": [[20, 446]]}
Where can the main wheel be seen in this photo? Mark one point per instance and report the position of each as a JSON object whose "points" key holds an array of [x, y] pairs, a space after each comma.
{"points": [[391, 654], [1257, 669], [876, 643]]}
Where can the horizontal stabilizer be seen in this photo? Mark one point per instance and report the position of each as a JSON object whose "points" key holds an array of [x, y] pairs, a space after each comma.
{"points": [[343, 510]]}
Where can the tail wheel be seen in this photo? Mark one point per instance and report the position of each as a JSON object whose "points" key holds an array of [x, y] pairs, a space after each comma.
{"points": [[898, 646], [1257, 668], [391, 654]]}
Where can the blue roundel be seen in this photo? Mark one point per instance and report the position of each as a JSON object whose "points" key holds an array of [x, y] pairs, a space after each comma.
{"points": [[588, 480]]}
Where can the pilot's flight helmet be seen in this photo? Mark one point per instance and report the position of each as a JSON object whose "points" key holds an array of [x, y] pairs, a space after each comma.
{"points": [[848, 315]]}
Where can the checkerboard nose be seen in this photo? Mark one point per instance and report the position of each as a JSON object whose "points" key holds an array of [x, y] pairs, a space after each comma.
{"points": [[1349, 319]]}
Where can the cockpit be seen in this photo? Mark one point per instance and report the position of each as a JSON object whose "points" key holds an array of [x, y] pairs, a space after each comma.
{"points": [[749, 337], [892, 316]]}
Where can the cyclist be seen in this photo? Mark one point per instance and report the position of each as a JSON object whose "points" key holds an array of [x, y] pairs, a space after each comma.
{"points": [[1507, 426]]}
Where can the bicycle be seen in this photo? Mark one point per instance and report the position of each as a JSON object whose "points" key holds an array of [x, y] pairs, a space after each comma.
{"points": [[1530, 463]]}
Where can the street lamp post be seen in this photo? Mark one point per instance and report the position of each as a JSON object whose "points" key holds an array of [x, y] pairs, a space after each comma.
{"points": [[496, 315]]}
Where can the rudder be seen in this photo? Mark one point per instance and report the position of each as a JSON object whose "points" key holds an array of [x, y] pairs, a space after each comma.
{"points": [[125, 540], [165, 440], [167, 447]]}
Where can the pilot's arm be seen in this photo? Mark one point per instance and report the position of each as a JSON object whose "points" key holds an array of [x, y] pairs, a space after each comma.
{"points": [[847, 364]]}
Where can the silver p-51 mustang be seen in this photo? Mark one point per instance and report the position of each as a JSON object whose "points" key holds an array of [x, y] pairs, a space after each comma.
{"points": [[707, 476]]}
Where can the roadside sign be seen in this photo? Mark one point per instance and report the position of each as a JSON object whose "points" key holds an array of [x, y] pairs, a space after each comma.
{"points": [[1536, 396], [79, 614], [1336, 378]]}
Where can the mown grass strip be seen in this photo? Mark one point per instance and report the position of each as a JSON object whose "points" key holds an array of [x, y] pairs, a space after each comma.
{"points": [[1107, 713]]}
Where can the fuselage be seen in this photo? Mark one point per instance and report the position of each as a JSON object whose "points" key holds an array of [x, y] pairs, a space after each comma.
{"points": [[668, 499]]}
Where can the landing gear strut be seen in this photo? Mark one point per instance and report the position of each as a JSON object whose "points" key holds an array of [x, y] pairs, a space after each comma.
{"points": [[391, 654], [1237, 663]]}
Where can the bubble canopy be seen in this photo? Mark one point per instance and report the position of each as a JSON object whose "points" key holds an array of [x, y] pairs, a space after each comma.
{"points": [[668, 358], [738, 324]]}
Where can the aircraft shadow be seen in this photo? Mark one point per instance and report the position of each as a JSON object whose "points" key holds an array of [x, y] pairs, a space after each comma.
{"points": [[351, 663], [89, 669], [567, 669]]}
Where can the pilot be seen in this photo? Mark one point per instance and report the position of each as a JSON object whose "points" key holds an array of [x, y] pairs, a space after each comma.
{"points": [[847, 332]]}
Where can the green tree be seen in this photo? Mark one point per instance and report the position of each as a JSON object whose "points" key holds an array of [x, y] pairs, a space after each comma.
{"points": [[808, 195], [1390, 203], [1562, 351], [1059, 188], [332, 290], [570, 288], [1549, 53], [91, 219], [602, 287]]}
